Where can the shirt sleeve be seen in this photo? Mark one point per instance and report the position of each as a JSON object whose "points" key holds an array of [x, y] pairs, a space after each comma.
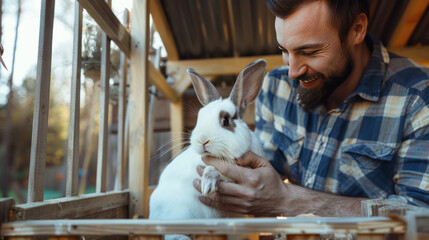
{"points": [[412, 175]]}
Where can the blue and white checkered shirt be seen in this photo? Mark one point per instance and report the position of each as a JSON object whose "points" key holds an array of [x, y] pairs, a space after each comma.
{"points": [[375, 144]]}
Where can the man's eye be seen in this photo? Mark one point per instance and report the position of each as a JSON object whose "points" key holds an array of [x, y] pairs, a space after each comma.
{"points": [[309, 53], [225, 121]]}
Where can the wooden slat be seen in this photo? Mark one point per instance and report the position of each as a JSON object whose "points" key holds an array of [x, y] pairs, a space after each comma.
{"points": [[73, 137], [419, 54], [5, 206], [163, 28], [109, 23], [289, 226], [71, 207], [36, 179], [408, 22], [103, 134], [122, 106], [138, 108], [176, 126], [161, 84], [214, 67]]}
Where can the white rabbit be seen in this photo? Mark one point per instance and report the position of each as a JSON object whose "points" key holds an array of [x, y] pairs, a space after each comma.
{"points": [[219, 132]]}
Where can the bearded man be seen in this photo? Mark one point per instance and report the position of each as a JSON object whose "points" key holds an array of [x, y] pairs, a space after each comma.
{"points": [[344, 120]]}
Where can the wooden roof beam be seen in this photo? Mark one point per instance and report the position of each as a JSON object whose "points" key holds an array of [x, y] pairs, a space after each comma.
{"points": [[409, 20], [419, 54], [109, 23], [214, 67], [163, 28]]}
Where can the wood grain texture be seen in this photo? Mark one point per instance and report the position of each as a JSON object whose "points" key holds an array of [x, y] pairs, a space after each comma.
{"points": [[290, 226], [5, 207], [408, 22], [214, 67], [36, 179], [72, 185], [92, 205], [163, 28], [103, 134], [109, 23], [138, 108]]}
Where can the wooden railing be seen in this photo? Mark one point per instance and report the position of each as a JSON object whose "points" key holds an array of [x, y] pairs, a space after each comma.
{"points": [[121, 203], [260, 228]]}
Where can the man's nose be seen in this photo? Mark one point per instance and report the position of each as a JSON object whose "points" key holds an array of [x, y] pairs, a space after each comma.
{"points": [[296, 67]]}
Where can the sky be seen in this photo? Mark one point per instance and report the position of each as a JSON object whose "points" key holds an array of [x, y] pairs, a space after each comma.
{"points": [[28, 36]]}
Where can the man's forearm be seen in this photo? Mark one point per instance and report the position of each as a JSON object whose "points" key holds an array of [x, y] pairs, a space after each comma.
{"points": [[301, 200]]}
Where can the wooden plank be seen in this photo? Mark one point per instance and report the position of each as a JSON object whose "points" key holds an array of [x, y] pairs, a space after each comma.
{"points": [[71, 207], [236, 226], [138, 108], [214, 67], [419, 54], [109, 23], [122, 106], [157, 79], [163, 28], [5, 206], [147, 237], [74, 122], [36, 179], [408, 22], [176, 126], [103, 134]]}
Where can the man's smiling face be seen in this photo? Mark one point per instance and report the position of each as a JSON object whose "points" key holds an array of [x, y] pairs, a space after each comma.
{"points": [[312, 49]]}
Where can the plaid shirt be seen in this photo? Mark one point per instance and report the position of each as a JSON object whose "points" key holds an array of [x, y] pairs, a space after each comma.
{"points": [[375, 144]]}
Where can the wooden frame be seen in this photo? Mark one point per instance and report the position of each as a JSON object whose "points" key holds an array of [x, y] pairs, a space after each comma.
{"points": [[134, 44]]}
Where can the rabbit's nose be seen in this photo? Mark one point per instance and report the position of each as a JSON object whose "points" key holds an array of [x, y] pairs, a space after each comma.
{"points": [[205, 143]]}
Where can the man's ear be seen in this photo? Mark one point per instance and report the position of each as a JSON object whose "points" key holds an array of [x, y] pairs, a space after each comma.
{"points": [[359, 28]]}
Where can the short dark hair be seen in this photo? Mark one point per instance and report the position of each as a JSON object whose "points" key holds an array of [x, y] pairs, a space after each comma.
{"points": [[343, 12]]}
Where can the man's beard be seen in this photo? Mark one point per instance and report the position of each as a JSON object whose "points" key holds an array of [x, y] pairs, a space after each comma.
{"points": [[310, 98]]}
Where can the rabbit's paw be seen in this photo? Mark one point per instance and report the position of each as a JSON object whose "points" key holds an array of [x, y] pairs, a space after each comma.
{"points": [[209, 181]]}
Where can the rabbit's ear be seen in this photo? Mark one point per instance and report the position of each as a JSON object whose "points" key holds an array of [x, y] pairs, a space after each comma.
{"points": [[248, 85], [206, 91]]}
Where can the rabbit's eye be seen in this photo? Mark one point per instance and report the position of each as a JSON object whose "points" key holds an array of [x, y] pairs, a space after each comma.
{"points": [[225, 121]]}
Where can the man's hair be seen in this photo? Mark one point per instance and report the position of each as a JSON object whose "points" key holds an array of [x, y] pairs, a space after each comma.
{"points": [[343, 12]]}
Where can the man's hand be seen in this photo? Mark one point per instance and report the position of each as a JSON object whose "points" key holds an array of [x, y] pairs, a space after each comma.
{"points": [[258, 190]]}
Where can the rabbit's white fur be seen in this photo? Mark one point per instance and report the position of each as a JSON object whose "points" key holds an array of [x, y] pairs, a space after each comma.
{"points": [[175, 196]]}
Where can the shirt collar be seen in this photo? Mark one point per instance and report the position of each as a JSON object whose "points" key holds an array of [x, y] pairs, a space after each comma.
{"points": [[370, 85]]}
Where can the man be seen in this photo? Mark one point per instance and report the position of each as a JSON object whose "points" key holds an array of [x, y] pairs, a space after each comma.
{"points": [[344, 120]]}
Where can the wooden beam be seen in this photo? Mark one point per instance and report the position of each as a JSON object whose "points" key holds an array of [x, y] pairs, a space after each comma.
{"points": [[214, 67], [73, 137], [157, 79], [138, 107], [5, 207], [419, 54], [408, 22], [71, 207], [122, 106], [176, 126], [109, 23], [103, 133], [163, 28], [36, 179], [291, 226]]}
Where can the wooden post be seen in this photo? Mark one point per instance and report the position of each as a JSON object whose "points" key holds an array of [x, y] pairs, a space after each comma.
{"points": [[103, 134], [73, 138], [177, 126], [122, 106], [138, 107], [5, 206], [36, 179]]}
